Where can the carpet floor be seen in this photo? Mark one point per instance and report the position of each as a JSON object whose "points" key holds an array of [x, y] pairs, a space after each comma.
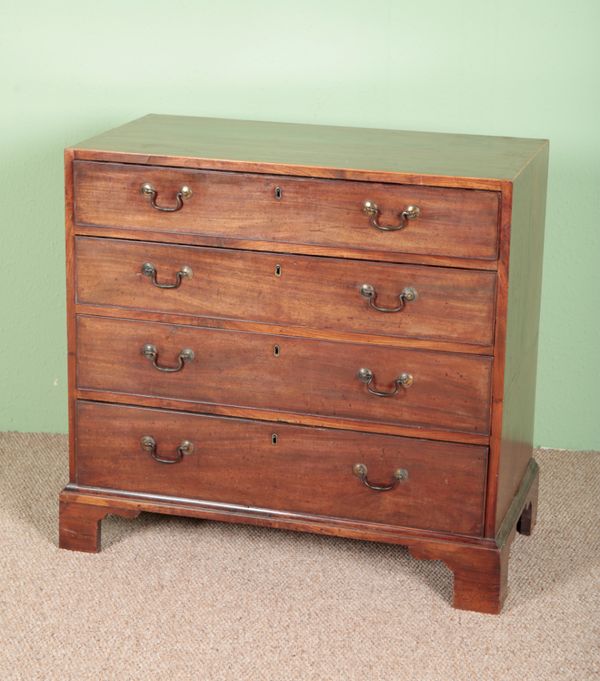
{"points": [[175, 598]]}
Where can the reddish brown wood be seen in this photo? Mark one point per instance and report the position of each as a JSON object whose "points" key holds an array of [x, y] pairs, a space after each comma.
{"points": [[399, 156], [295, 291], [522, 325], [287, 520], [481, 572], [284, 417], [361, 175], [79, 524], [453, 222], [517, 322], [280, 329], [480, 566], [283, 467], [498, 368], [450, 391], [275, 247], [482, 203], [70, 306]]}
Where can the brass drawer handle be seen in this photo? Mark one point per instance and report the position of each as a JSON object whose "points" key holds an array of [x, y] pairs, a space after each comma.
{"points": [[148, 444], [372, 209], [360, 470], [184, 193], [149, 270], [367, 377], [369, 291], [150, 352]]}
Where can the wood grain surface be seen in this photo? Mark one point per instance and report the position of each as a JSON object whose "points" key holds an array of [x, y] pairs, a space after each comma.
{"points": [[452, 305], [285, 373], [279, 245], [318, 150], [452, 222], [306, 470], [516, 351]]}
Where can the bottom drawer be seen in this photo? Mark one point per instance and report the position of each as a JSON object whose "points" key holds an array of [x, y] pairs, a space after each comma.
{"points": [[282, 467]]}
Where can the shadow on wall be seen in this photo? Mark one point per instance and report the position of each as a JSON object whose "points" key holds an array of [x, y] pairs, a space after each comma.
{"points": [[32, 278]]}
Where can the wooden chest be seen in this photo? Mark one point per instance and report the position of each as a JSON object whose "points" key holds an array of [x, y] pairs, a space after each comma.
{"points": [[313, 328]]}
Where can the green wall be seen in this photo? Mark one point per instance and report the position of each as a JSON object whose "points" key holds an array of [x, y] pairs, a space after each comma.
{"points": [[521, 67]]}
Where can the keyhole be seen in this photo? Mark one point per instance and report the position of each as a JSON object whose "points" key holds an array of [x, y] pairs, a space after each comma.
{"points": [[278, 193], [277, 270], [276, 350], [274, 439]]}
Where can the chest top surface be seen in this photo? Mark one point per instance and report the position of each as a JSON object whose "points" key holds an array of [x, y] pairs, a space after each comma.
{"points": [[277, 147]]}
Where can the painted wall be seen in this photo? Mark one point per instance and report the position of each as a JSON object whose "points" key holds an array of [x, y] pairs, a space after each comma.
{"points": [[523, 67]]}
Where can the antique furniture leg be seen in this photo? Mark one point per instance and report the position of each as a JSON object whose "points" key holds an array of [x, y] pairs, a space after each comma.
{"points": [[481, 579], [481, 572], [79, 523]]}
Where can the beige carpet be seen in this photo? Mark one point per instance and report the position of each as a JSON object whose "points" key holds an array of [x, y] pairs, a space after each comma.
{"points": [[172, 598]]}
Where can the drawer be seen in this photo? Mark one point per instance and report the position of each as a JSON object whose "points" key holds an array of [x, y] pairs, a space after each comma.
{"points": [[288, 290], [293, 210], [448, 391], [301, 470]]}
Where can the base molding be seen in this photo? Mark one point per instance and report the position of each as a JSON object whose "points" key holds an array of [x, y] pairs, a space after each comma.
{"points": [[480, 565]]}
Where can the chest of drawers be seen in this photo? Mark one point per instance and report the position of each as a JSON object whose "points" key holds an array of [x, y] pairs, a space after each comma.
{"points": [[313, 328]]}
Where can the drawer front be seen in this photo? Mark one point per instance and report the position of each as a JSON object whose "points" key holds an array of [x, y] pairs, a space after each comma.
{"points": [[449, 390], [288, 290], [451, 222], [306, 470]]}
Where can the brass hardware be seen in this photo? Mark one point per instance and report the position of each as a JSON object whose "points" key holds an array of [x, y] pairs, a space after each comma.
{"points": [[360, 470], [368, 291], [274, 439], [184, 193], [148, 444], [277, 270], [367, 377], [150, 352], [372, 209], [276, 350], [149, 270], [278, 193]]}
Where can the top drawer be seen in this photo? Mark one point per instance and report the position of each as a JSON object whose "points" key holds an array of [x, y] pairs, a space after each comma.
{"points": [[459, 223]]}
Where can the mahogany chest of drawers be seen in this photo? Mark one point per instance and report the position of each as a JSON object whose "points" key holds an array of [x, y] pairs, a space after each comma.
{"points": [[314, 328]]}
